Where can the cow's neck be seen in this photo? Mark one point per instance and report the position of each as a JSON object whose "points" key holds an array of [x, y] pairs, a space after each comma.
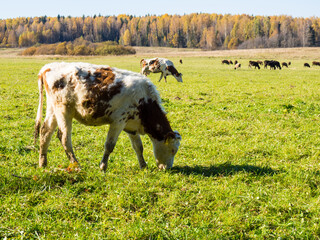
{"points": [[153, 119]]}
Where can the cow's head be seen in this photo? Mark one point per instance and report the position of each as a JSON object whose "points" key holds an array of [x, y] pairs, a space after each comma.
{"points": [[165, 150], [179, 77]]}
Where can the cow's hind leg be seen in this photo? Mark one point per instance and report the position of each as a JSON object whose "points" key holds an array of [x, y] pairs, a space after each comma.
{"points": [[64, 134], [113, 134], [138, 148], [46, 131]]}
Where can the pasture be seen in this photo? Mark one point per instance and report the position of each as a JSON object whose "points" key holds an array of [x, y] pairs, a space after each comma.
{"points": [[248, 165]]}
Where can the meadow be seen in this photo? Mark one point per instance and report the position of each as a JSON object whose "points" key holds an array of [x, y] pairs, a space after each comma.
{"points": [[248, 165]]}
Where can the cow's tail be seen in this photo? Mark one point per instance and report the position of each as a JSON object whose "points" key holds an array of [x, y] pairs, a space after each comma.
{"points": [[39, 112]]}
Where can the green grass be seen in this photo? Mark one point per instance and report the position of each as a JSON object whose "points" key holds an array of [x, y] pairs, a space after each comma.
{"points": [[248, 165]]}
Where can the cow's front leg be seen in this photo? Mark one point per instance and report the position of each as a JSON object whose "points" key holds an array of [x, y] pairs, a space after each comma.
{"points": [[138, 148], [64, 135], [161, 76], [113, 134]]}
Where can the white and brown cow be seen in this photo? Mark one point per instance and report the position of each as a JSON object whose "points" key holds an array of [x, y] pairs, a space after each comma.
{"points": [[97, 95], [160, 65]]}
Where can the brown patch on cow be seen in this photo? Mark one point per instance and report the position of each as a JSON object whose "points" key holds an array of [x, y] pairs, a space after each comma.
{"points": [[154, 64], [59, 84], [173, 71], [101, 91], [153, 119], [104, 75]]}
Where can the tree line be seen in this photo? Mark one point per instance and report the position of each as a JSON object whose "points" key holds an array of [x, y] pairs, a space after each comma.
{"points": [[205, 31]]}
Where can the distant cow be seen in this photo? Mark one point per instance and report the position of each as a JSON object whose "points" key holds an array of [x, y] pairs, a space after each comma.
{"points": [[235, 62], [97, 95], [272, 64], [260, 62], [160, 65], [289, 63], [180, 61], [314, 63], [238, 65], [306, 65], [254, 64], [284, 64], [225, 62]]}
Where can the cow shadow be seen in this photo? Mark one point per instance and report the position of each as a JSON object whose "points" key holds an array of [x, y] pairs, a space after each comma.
{"points": [[225, 169]]}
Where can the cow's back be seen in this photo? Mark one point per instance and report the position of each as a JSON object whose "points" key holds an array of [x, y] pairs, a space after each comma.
{"points": [[96, 94]]}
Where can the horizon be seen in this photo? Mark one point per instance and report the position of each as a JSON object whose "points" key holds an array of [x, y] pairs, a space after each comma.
{"points": [[140, 8]]}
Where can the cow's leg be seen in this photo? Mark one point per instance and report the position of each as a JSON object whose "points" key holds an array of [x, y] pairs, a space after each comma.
{"points": [[138, 148], [113, 134], [46, 131], [64, 133], [165, 78], [161, 76]]}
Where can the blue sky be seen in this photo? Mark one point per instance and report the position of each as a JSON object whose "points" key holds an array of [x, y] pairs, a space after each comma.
{"points": [[31, 8]]}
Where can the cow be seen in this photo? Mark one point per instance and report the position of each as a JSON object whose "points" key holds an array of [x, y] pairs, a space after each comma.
{"points": [[260, 63], [180, 61], [284, 64], [314, 63], [226, 62], [160, 65], [272, 64], [235, 62], [266, 62], [238, 65], [306, 65], [254, 64], [97, 95]]}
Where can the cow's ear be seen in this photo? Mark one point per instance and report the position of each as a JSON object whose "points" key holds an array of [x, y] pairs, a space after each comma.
{"points": [[170, 136]]}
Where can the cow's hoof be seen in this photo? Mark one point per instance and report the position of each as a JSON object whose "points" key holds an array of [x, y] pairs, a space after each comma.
{"points": [[143, 166], [103, 166], [43, 161]]}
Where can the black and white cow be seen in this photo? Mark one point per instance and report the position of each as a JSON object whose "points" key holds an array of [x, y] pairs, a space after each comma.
{"points": [[160, 65], [97, 95]]}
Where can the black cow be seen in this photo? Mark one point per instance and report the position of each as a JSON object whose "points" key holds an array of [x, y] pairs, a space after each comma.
{"points": [[254, 64]]}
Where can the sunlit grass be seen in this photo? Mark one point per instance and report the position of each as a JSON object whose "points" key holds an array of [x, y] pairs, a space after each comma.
{"points": [[248, 165]]}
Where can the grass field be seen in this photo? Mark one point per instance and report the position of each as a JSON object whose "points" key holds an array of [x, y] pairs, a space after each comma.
{"points": [[248, 165]]}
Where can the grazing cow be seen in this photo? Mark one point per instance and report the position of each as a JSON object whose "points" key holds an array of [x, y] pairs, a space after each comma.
{"points": [[180, 61], [254, 64], [306, 65], [284, 64], [160, 65], [314, 63], [266, 62], [238, 65], [97, 95], [272, 64], [225, 62]]}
